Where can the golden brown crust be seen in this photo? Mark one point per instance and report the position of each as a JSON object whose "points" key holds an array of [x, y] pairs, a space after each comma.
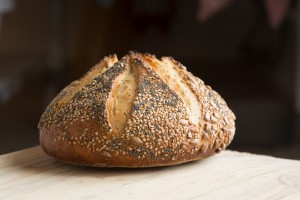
{"points": [[85, 124]]}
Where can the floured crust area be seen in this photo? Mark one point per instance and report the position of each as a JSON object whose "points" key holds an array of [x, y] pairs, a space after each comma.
{"points": [[136, 112]]}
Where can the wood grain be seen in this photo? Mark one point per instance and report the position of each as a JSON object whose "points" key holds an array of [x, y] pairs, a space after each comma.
{"points": [[31, 174]]}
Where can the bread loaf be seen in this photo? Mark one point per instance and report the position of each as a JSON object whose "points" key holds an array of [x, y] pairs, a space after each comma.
{"points": [[138, 111]]}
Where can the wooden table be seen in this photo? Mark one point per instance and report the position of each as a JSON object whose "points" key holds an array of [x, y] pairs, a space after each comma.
{"points": [[31, 174]]}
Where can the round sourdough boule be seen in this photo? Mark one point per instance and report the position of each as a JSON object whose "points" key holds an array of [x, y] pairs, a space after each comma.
{"points": [[136, 112]]}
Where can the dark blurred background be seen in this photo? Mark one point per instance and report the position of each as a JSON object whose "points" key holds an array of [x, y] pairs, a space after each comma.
{"points": [[248, 51]]}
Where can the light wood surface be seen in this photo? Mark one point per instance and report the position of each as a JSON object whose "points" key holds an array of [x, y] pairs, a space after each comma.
{"points": [[31, 174]]}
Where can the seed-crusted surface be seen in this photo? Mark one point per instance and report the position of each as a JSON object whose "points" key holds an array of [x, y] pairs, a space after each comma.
{"points": [[218, 120], [158, 130], [155, 120], [86, 104]]}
